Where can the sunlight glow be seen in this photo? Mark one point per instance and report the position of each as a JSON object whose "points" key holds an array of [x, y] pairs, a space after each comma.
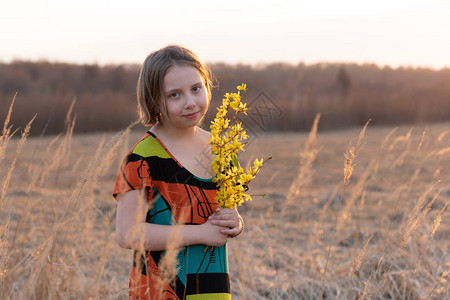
{"points": [[383, 32]]}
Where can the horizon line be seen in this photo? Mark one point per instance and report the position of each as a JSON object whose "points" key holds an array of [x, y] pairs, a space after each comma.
{"points": [[251, 64]]}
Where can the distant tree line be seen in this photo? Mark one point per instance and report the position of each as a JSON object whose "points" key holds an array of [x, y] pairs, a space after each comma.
{"points": [[282, 96]]}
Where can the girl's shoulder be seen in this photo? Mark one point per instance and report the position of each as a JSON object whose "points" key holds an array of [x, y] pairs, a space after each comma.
{"points": [[204, 134], [149, 146]]}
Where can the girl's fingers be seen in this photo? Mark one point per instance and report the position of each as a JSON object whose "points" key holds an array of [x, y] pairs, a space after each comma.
{"points": [[225, 223], [230, 232], [223, 216]]}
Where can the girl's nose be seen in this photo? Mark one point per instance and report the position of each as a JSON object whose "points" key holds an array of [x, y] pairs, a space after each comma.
{"points": [[190, 102]]}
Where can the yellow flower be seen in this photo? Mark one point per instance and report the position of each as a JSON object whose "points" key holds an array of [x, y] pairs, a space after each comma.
{"points": [[242, 87], [225, 143], [235, 104]]}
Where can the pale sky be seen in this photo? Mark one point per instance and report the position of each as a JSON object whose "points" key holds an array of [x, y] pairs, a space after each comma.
{"points": [[386, 32]]}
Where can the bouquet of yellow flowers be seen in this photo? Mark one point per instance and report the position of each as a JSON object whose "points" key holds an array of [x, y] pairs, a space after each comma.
{"points": [[226, 141]]}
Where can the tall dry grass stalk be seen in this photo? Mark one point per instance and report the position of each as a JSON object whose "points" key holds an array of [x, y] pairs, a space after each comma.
{"points": [[443, 279], [356, 263], [421, 141], [4, 249], [7, 179], [6, 132], [438, 152], [168, 264], [419, 211], [388, 137], [357, 192], [442, 135], [401, 158], [401, 139], [351, 154], [349, 165], [437, 220], [58, 159], [62, 152], [443, 151], [305, 173]]}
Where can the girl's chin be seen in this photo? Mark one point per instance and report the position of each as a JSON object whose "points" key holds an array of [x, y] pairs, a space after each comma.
{"points": [[187, 123]]}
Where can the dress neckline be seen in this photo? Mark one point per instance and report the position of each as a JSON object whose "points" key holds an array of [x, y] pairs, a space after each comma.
{"points": [[176, 160]]}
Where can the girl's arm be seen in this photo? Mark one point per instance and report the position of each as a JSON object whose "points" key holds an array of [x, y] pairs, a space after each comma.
{"points": [[134, 233]]}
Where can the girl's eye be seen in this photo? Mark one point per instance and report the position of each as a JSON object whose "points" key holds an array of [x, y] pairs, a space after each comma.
{"points": [[196, 89], [173, 95]]}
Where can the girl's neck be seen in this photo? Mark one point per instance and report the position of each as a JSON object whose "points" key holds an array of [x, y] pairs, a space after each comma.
{"points": [[173, 133]]}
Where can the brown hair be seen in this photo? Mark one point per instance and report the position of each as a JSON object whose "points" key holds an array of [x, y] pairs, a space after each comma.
{"points": [[150, 85]]}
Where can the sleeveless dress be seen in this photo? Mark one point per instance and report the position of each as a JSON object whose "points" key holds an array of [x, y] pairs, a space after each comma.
{"points": [[176, 197]]}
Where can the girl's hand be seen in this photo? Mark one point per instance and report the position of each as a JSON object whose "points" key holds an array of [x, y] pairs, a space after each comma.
{"points": [[211, 235], [229, 219]]}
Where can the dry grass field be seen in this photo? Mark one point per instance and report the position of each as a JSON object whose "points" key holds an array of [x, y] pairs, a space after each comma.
{"points": [[381, 232]]}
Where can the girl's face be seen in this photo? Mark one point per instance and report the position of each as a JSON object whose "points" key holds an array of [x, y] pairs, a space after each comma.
{"points": [[186, 97]]}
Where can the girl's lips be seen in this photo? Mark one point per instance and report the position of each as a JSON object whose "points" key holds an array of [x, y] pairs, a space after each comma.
{"points": [[191, 116]]}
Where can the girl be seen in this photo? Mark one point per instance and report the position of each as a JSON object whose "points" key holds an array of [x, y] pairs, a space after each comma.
{"points": [[165, 197]]}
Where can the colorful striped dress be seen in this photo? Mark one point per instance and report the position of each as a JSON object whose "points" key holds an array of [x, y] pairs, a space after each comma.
{"points": [[176, 196]]}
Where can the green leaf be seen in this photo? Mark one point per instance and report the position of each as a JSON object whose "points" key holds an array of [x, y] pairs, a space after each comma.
{"points": [[234, 160]]}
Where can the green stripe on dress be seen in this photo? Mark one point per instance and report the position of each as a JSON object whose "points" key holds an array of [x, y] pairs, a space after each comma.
{"points": [[150, 147], [215, 296]]}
